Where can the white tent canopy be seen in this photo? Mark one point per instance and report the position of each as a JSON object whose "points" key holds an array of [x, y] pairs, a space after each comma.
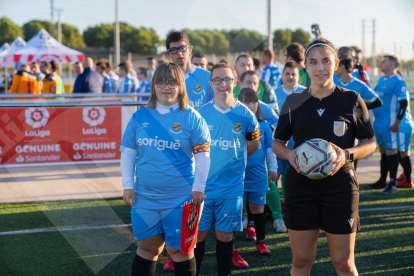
{"points": [[6, 57], [4, 47], [43, 47]]}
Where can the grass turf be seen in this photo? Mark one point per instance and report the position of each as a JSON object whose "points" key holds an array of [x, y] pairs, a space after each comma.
{"points": [[384, 246]]}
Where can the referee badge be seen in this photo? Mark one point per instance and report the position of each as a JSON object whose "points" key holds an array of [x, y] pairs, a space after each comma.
{"points": [[339, 128]]}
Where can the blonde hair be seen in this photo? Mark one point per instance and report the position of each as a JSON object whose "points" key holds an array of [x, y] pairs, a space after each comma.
{"points": [[166, 72]]}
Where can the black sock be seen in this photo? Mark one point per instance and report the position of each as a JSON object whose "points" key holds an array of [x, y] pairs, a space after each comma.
{"points": [[406, 164], [393, 167], [224, 255], [199, 254], [143, 267], [384, 168], [260, 225], [186, 268], [250, 219]]}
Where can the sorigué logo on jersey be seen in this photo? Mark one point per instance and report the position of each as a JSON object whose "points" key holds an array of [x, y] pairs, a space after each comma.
{"points": [[36, 118], [176, 128], [159, 144], [94, 116]]}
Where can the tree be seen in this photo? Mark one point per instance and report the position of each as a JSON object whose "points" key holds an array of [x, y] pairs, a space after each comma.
{"points": [[221, 45], [31, 28], [9, 31], [302, 37], [282, 38], [99, 36], [71, 37], [244, 40]]}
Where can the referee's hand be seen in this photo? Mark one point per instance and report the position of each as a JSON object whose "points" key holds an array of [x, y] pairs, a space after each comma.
{"points": [[129, 196], [293, 159], [198, 198], [338, 159]]}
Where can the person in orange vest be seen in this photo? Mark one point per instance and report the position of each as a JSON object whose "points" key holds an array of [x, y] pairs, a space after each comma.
{"points": [[24, 82], [49, 82]]}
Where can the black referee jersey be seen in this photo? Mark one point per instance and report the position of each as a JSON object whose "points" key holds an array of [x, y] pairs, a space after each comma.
{"points": [[339, 118]]}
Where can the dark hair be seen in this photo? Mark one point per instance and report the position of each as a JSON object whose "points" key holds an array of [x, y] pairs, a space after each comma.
{"points": [[46, 64], [296, 52], [393, 59], [223, 60], [124, 67], [176, 37], [256, 63], [269, 54], [348, 63], [356, 49], [54, 65], [108, 65], [223, 65], [143, 71], [150, 58], [248, 73], [101, 64], [243, 56], [198, 55], [248, 95], [322, 41], [290, 64]]}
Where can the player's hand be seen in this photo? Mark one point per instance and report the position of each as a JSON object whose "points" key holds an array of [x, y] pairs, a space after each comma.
{"points": [[198, 198], [273, 176], [129, 196], [395, 127], [293, 159], [338, 158]]}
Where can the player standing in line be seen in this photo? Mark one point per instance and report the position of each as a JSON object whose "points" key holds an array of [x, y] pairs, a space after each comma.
{"points": [[338, 116], [393, 92], [256, 175], [235, 135], [295, 52], [159, 146], [271, 72], [196, 79], [265, 92], [199, 60], [126, 83], [144, 85], [359, 72]]}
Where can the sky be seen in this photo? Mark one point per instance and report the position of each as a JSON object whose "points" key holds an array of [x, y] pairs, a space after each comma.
{"points": [[340, 20]]}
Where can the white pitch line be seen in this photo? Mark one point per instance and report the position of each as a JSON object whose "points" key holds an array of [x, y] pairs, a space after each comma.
{"points": [[84, 228]]}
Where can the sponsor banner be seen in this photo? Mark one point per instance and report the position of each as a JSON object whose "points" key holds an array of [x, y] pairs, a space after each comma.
{"points": [[54, 135]]}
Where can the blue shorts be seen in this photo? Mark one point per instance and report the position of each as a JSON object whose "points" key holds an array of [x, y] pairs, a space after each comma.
{"points": [[404, 141], [147, 223], [386, 137], [256, 198], [226, 212]]}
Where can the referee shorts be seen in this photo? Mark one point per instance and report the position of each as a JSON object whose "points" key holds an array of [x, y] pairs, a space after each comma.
{"points": [[330, 204]]}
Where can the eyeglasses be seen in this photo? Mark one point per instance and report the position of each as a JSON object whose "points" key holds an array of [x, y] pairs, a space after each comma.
{"points": [[171, 84], [182, 49], [218, 81]]}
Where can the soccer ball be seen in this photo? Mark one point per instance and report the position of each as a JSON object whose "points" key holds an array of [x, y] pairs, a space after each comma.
{"points": [[314, 158]]}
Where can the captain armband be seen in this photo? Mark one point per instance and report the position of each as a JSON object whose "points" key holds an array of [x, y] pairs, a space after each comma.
{"points": [[201, 147], [253, 136]]}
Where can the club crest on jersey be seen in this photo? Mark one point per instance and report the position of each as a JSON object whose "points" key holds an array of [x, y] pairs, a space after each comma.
{"points": [[237, 128], [339, 128], [197, 88], [176, 128], [384, 85]]}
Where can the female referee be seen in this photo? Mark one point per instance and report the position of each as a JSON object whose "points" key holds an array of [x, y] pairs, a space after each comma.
{"points": [[159, 144], [329, 112]]}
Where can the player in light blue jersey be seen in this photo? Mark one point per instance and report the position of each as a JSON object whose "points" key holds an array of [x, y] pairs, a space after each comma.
{"points": [[144, 84], [101, 69], [196, 79], [126, 83], [290, 76], [235, 135], [359, 72], [166, 145], [349, 82], [256, 174], [271, 72], [393, 92]]}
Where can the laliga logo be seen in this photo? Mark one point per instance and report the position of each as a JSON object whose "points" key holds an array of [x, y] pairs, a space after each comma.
{"points": [[36, 117], [93, 116]]}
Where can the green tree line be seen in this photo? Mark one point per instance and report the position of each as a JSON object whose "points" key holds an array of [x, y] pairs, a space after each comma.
{"points": [[145, 40]]}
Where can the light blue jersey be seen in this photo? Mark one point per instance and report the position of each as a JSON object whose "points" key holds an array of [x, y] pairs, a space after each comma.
{"points": [[359, 86], [356, 75], [271, 74], [126, 85], [391, 90], [164, 144], [229, 130], [281, 94], [255, 179], [199, 90], [108, 84], [269, 114], [144, 87]]}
